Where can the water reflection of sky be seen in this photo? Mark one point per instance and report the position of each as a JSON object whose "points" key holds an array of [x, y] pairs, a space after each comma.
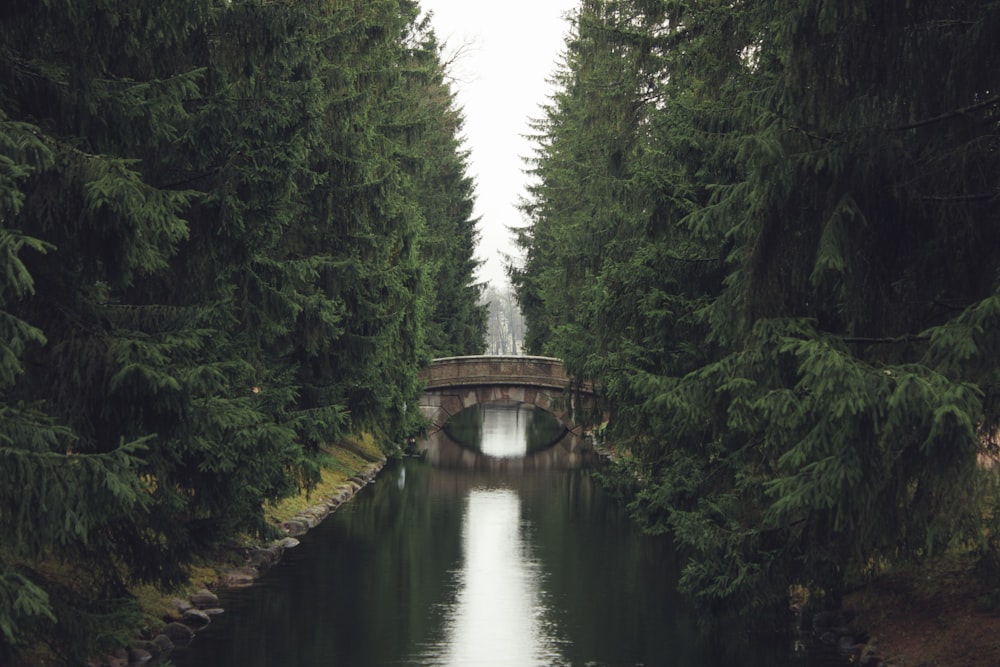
{"points": [[505, 430], [498, 615]]}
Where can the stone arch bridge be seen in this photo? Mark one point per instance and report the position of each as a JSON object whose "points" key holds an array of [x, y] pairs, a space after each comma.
{"points": [[456, 383]]}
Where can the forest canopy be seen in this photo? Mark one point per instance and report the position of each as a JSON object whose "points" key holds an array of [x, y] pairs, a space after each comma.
{"points": [[231, 233], [770, 231]]}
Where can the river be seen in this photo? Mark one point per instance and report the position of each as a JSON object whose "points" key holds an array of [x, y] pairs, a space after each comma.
{"points": [[507, 565]]}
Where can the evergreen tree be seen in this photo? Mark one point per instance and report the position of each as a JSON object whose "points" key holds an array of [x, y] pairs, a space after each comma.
{"points": [[367, 227], [794, 317], [211, 216], [81, 224], [225, 229]]}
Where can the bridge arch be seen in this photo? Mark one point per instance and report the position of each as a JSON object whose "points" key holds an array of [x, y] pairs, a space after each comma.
{"points": [[453, 384]]}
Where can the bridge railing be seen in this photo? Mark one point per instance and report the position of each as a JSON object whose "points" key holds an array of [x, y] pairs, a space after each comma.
{"points": [[477, 370]]}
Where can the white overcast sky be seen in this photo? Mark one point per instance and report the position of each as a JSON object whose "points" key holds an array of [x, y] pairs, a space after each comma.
{"points": [[508, 50]]}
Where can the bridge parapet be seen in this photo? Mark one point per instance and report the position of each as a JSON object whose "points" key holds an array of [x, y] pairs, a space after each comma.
{"points": [[482, 370]]}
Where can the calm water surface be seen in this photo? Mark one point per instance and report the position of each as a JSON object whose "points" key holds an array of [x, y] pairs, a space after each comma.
{"points": [[431, 566]]}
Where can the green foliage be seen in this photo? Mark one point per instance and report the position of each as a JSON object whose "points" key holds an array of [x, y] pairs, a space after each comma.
{"points": [[225, 231], [766, 231]]}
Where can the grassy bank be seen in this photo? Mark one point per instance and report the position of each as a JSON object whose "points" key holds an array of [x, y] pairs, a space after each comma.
{"points": [[338, 464]]}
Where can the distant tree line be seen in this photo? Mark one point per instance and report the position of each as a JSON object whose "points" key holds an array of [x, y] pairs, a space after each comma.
{"points": [[770, 231], [505, 325], [231, 232]]}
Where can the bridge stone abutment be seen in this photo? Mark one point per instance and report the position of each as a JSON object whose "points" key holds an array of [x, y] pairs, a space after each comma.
{"points": [[456, 383]]}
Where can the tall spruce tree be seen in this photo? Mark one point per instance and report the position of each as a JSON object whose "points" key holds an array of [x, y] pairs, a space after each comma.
{"points": [[366, 226], [805, 377], [210, 229], [82, 223]]}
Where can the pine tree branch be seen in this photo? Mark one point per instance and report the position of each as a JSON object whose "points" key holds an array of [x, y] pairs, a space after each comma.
{"points": [[866, 340], [693, 260], [947, 115], [985, 196]]}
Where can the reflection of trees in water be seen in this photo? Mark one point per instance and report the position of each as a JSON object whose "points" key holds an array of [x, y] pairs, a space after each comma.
{"points": [[570, 452], [466, 427], [543, 428]]}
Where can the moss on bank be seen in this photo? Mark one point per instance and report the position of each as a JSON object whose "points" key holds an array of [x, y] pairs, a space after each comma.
{"points": [[337, 464]]}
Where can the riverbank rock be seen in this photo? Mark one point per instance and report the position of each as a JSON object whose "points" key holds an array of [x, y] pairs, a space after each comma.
{"points": [[163, 645], [836, 627], [138, 656], [205, 599], [150, 647], [195, 619], [178, 633], [239, 577], [176, 608], [263, 558], [295, 527], [118, 658]]}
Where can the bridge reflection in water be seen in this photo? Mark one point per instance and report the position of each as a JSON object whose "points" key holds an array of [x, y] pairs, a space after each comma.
{"points": [[505, 430], [507, 441], [463, 389]]}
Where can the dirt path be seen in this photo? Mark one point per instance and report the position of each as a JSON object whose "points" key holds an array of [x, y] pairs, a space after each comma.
{"points": [[940, 627]]}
